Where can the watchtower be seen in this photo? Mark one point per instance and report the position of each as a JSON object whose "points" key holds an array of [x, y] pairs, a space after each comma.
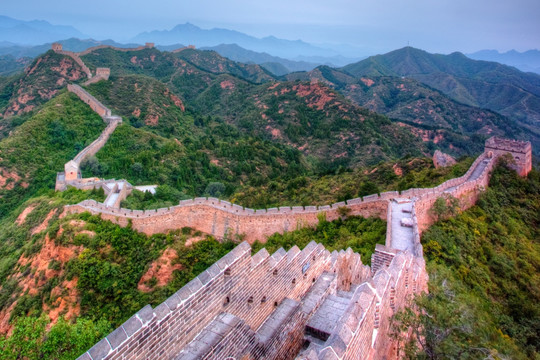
{"points": [[521, 152], [103, 73], [149, 45], [56, 46], [72, 171]]}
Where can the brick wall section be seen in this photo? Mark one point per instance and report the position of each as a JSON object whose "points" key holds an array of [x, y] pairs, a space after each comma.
{"points": [[77, 59], [218, 217], [226, 336], [252, 285], [221, 217], [94, 48], [382, 257], [101, 74], [521, 152], [97, 106], [362, 332], [97, 144]]}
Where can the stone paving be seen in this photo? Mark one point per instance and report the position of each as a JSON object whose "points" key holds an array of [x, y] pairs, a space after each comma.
{"points": [[402, 236]]}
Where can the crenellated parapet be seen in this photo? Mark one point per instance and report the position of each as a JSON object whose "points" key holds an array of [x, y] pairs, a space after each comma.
{"points": [[221, 218], [268, 306], [521, 151]]}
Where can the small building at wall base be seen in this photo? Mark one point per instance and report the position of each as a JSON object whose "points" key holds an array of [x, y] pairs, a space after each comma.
{"points": [[72, 171], [104, 73]]}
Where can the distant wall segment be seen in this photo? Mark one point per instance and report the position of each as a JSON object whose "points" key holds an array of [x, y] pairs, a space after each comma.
{"points": [[221, 218]]}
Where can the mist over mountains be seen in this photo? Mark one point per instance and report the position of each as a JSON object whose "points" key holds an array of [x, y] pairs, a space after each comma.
{"points": [[35, 32], [528, 61], [21, 38], [191, 34]]}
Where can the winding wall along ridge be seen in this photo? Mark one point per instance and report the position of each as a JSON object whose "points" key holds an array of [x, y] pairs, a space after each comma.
{"points": [[218, 314], [221, 218]]}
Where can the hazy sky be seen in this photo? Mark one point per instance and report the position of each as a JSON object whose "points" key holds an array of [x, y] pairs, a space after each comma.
{"points": [[378, 25]]}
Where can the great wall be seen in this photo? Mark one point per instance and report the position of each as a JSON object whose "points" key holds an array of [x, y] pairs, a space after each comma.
{"points": [[304, 304]]}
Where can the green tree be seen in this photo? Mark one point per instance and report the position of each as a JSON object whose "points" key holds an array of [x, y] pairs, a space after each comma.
{"points": [[445, 206], [215, 189], [65, 341]]}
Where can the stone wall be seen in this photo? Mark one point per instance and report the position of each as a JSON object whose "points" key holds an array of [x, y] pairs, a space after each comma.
{"points": [[101, 74], [94, 48], [97, 106], [183, 48], [97, 144], [521, 151], [221, 218], [76, 58], [248, 287], [256, 307]]}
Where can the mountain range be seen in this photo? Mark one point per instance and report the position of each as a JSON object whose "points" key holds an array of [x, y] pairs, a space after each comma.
{"points": [[34, 32], [528, 61], [276, 65], [191, 34], [483, 84]]}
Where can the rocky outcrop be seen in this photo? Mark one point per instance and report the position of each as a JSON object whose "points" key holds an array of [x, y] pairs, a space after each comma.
{"points": [[441, 159]]}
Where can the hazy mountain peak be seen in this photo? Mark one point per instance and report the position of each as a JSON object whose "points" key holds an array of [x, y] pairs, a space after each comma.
{"points": [[191, 34], [35, 32]]}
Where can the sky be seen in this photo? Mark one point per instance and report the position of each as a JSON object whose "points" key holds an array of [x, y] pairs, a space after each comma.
{"points": [[441, 26]]}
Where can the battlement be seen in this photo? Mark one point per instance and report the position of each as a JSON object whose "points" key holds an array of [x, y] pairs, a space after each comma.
{"points": [[510, 145], [221, 218], [521, 151], [56, 46], [97, 106], [260, 305]]}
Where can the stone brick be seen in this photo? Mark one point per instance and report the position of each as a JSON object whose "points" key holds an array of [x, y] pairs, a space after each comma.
{"points": [[117, 337], [146, 314], [132, 325], [100, 350], [84, 356], [161, 311]]}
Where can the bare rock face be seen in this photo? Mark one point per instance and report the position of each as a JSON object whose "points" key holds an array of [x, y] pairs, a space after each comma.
{"points": [[441, 159]]}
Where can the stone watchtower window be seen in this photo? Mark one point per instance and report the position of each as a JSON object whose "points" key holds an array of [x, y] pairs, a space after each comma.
{"points": [[228, 272], [227, 301], [263, 300], [294, 281], [250, 300], [275, 272]]}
